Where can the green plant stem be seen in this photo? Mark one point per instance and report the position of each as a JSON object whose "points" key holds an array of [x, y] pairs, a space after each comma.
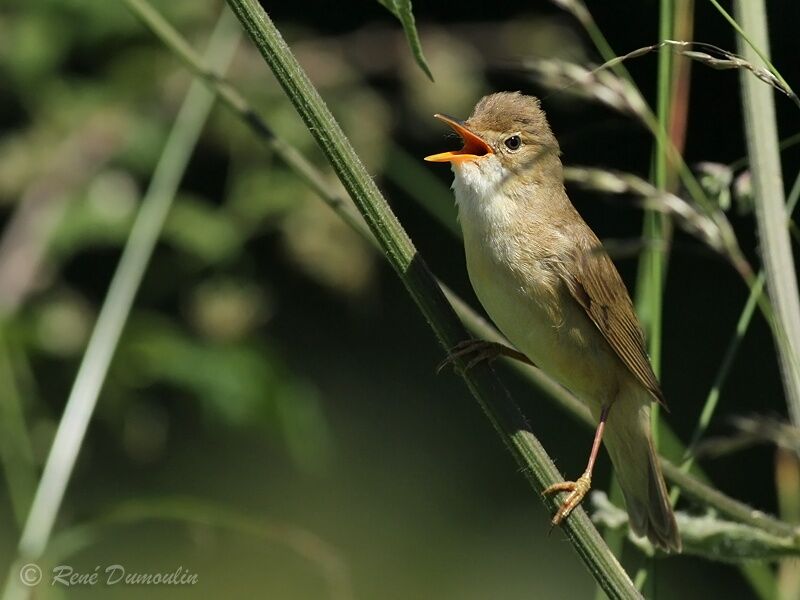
{"points": [[485, 386], [656, 232], [762, 148], [117, 304]]}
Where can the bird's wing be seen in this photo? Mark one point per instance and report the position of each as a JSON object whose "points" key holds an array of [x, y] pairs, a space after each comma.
{"points": [[594, 282]]}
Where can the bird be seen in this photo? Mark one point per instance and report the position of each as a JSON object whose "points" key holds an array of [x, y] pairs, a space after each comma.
{"points": [[544, 278]]}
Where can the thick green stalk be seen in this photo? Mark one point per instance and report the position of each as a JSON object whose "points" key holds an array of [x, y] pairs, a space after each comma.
{"points": [[116, 307], [652, 262], [762, 148], [485, 386], [656, 232]]}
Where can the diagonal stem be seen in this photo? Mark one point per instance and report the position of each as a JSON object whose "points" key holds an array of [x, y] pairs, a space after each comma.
{"points": [[421, 285]]}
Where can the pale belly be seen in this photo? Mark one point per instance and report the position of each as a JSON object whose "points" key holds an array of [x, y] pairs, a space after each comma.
{"points": [[548, 326]]}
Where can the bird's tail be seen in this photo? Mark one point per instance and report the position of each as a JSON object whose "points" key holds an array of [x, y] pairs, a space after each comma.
{"points": [[630, 445]]}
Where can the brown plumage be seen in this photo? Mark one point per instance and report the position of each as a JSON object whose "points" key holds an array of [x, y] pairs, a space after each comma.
{"points": [[548, 284], [596, 285]]}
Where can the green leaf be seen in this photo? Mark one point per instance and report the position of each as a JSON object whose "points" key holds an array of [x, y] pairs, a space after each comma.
{"points": [[402, 10]]}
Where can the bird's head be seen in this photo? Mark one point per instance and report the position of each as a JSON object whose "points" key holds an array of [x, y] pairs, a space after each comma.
{"points": [[507, 132]]}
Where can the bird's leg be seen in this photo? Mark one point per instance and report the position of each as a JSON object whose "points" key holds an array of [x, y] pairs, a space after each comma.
{"points": [[479, 351], [578, 489]]}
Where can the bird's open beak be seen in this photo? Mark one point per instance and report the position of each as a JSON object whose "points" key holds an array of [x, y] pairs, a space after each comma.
{"points": [[474, 147]]}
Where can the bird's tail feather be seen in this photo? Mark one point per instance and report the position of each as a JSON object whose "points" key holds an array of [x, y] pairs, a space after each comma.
{"points": [[638, 470]]}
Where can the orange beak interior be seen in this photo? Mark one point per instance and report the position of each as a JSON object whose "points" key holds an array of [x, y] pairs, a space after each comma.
{"points": [[474, 147]]}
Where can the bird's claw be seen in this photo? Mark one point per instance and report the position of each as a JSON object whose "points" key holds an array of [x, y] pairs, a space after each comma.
{"points": [[481, 349], [577, 491]]}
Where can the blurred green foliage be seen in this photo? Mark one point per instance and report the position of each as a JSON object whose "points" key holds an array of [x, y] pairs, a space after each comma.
{"points": [[84, 139]]}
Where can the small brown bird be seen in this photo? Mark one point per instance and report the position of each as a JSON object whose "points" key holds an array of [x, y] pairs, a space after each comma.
{"points": [[548, 284]]}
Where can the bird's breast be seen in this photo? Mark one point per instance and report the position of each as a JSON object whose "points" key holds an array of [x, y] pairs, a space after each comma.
{"points": [[516, 288], [529, 303]]}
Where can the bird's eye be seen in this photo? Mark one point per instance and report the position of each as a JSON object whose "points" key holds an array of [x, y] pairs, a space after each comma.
{"points": [[513, 143]]}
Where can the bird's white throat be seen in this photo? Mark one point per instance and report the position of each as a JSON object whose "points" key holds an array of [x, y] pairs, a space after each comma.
{"points": [[480, 187]]}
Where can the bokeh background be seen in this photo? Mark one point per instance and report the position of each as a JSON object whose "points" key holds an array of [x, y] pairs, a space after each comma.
{"points": [[273, 409]]}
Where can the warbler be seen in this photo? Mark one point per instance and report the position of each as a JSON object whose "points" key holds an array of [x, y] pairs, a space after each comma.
{"points": [[547, 283]]}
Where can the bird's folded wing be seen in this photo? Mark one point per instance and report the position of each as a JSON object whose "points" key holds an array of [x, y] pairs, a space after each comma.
{"points": [[595, 283]]}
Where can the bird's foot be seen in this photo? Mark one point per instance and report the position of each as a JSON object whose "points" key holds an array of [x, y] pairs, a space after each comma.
{"points": [[577, 490], [479, 351]]}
